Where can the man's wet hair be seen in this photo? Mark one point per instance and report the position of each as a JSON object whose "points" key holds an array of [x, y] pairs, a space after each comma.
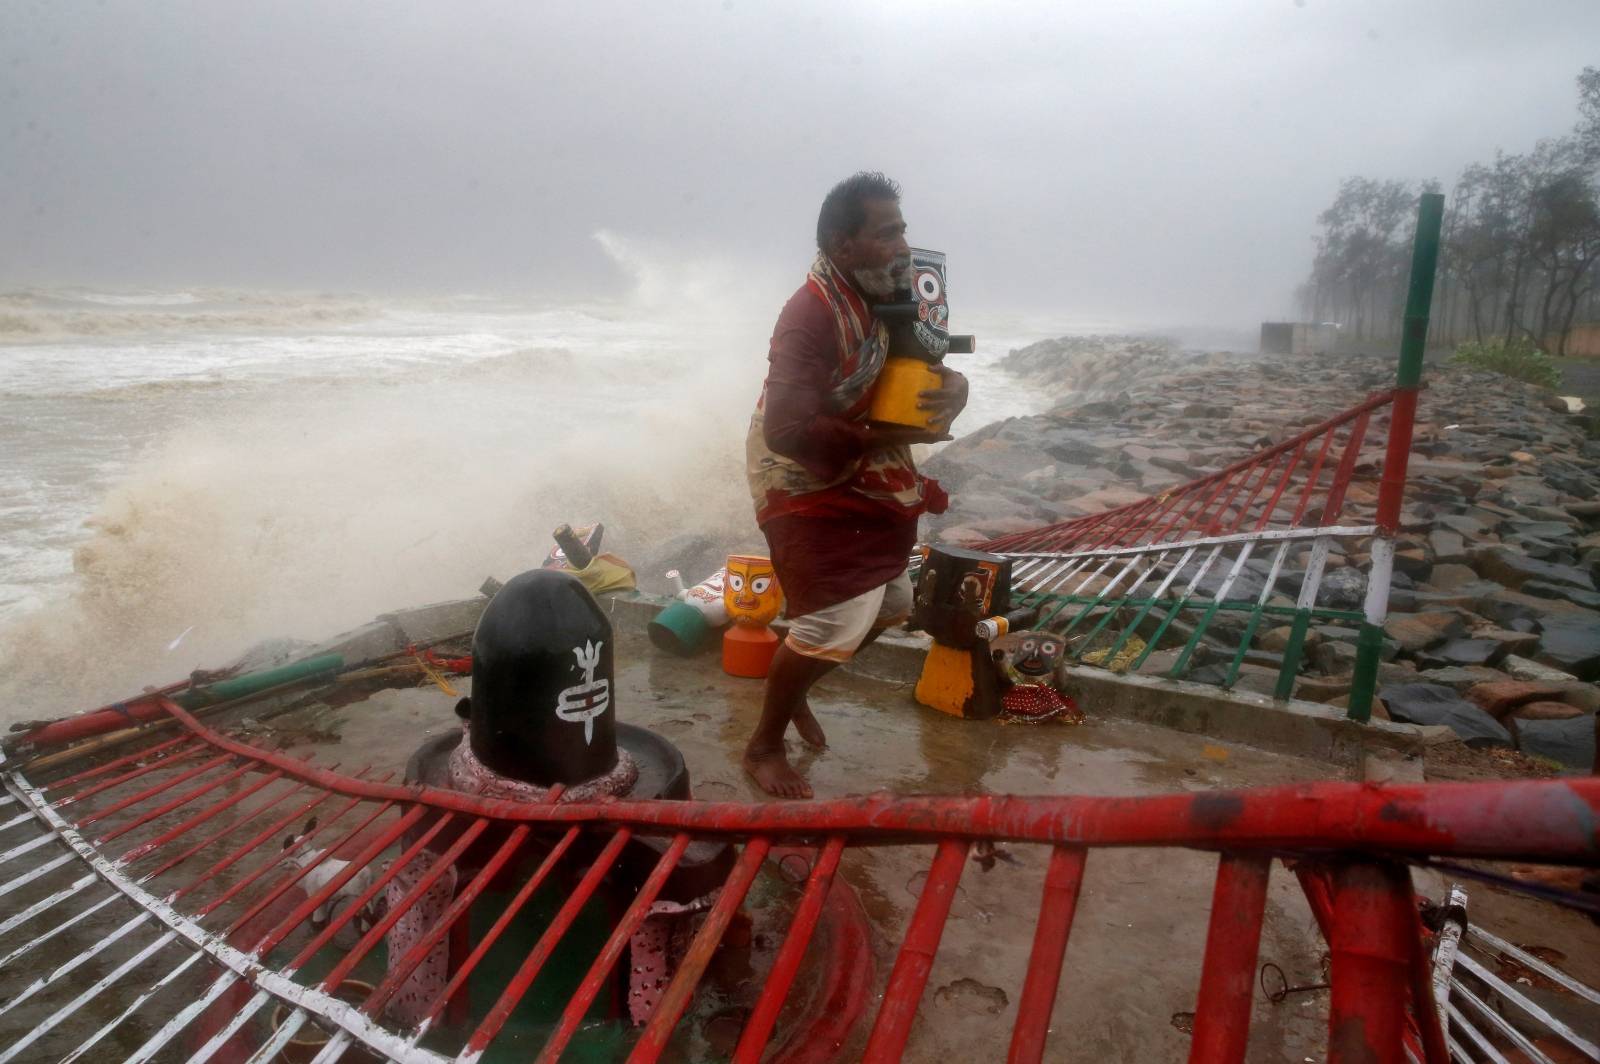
{"points": [[844, 210]]}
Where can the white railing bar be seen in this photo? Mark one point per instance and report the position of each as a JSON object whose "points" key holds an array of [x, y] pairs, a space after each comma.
{"points": [[28, 877], [1106, 591], [1523, 957], [1143, 576], [46, 903], [98, 947], [1476, 1037], [330, 1009], [65, 1012], [166, 980], [1449, 943], [26, 847], [336, 1047], [1500, 1023], [1272, 575], [1028, 565], [1070, 568], [173, 1027], [1085, 582], [1056, 568], [28, 947], [1529, 1006], [231, 1028], [1266, 535], [280, 1038], [1311, 583], [1456, 1051], [1058, 576], [1205, 567], [1233, 573], [1167, 580]]}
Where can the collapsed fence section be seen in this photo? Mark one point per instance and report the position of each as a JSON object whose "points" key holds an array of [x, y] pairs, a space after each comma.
{"points": [[1205, 564], [1220, 556], [221, 873]]}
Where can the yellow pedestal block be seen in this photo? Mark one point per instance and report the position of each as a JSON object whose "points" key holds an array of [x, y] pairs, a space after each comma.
{"points": [[895, 396], [946, 683]]}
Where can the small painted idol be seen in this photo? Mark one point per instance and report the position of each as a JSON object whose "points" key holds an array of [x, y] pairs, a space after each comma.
{"points": [[751, 590], [932, 326], [1027, 662]]}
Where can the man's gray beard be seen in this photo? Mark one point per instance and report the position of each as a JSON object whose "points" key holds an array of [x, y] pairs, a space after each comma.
{"points": [[881, 282]]}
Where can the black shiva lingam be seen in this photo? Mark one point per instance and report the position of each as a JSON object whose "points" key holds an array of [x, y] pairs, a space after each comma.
{"points": [[543, 712]]}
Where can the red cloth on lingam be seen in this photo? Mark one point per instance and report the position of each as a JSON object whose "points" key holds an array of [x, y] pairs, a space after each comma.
{"points": [[654, 947]]}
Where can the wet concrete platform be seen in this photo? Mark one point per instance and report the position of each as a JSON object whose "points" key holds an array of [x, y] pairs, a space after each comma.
{"points": [[1133, 966]]}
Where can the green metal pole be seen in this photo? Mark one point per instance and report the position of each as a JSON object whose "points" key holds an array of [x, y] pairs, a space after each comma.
{"points": [[251, 683], [1413, 342]]}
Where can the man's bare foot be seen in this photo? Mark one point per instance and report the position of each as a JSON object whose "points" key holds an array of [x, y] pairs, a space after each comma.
{"points": [[773, 773], [806, 724]]}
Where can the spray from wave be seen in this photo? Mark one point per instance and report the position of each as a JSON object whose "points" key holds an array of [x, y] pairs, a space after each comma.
{"points": [[286, 503]]}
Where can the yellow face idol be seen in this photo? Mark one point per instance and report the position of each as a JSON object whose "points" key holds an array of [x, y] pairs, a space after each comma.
{"points": [[751, 590]]}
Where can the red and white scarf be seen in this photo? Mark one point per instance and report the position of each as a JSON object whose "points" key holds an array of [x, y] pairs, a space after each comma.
{"points": [[883, 475]]}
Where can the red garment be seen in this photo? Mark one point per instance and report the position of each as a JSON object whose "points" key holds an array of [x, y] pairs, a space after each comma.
{"points": [[801, 363], [831, 545], [822, 561]]}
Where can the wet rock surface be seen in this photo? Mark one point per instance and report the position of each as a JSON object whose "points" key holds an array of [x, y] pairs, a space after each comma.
{"points": [[1424, 703], [1497, 568]]}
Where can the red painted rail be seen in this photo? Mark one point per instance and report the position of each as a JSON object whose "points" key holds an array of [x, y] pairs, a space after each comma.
{"points": [[1187, 509], [1349, 843], [1144, 566], [1554, 820]]}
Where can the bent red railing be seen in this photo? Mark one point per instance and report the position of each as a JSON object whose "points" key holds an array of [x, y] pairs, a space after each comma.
{"points": [[1162, 572], [227, 896], [1137, 571]]}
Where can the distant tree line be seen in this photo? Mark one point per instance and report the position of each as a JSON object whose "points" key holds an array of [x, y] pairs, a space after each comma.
{"points": [[1521, 244]]}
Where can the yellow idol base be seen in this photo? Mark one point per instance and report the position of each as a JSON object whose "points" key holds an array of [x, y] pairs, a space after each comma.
{"points": [[946, 680], [895, 396], [961, 683]]}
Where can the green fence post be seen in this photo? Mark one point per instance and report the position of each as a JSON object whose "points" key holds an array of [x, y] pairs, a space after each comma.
{"points": [[1413, 341]]}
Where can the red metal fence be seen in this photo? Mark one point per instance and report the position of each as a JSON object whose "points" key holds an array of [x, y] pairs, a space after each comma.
{"points": [[1276, 497], [183, 830], [1164, 569]]}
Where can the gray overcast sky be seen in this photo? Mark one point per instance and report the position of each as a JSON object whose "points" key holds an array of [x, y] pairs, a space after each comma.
{"points": [[1158, 162]]}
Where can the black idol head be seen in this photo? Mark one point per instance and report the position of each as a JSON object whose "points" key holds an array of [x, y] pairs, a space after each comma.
{"points": [[543, 696], [958, 588]]}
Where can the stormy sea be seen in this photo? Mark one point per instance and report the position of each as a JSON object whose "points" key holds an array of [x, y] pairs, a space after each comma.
{"points": [[190, 471]]}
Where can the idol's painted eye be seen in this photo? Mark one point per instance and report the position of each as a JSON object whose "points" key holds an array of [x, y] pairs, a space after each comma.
{"points": [[1027, 647], [1048, 648], [760, 584], [736, 581], [929, 288]]}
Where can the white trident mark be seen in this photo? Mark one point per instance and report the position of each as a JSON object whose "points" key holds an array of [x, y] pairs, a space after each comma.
{"points": [[589, 699]]}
